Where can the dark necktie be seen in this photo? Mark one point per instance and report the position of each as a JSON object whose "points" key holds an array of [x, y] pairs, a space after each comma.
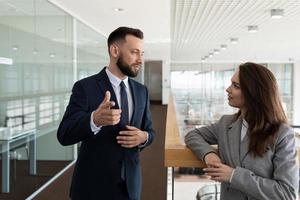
{"points": [[124, 119], [124, 106]]}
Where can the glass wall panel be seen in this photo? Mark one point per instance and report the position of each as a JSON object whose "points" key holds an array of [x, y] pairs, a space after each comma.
{"points": [[36, 78], [92, 53], [201, 97], [38, 38]]}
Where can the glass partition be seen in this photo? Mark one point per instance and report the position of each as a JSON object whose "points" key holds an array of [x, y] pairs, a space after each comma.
{"points": [[37, 66], [92, 52], [201, 98]]}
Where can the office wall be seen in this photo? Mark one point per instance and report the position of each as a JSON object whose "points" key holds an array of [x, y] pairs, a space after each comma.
{"points": [[153, 79]]}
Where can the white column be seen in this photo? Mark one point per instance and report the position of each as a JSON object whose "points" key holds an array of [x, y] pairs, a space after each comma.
{"points": [[296, 91], [166, 81]]}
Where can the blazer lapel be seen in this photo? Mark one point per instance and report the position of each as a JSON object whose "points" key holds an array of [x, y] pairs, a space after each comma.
{"points": [[234, 138], [244, 148], [105, 85]]}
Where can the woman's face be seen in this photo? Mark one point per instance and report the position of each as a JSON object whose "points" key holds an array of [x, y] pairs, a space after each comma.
{"points": [[235, 96]]}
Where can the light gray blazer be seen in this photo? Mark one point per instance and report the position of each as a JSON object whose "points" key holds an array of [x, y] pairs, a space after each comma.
{"points": [[271, 177]]}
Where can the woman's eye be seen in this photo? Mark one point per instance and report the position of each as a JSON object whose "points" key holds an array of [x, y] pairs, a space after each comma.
{"points": [[236, 85]]}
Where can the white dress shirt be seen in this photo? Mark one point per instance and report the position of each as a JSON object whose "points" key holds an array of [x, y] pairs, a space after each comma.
{"points": [[244, 129], [115, 82], [243, 134]]}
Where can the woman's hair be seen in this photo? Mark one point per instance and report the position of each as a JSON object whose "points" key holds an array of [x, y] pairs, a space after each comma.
{"points": [[263, 109]]}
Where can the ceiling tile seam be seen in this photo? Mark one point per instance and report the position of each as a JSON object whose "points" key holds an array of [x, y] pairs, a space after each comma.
{"points": [[236, 26], [173, 19], [222, 15], [214, 36], [241, 24], [179, 25], [178, 42], [201, 34], [177, 19], [182, 36], [260, 20], [191, 19], [243, 6], [206, 19], [199, 21]]}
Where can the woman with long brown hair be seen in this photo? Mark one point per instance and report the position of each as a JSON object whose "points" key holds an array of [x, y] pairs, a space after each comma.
{"points": [[256, 157]]}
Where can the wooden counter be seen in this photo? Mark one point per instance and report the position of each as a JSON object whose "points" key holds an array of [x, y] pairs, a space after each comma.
{"points": [[176, 153]]}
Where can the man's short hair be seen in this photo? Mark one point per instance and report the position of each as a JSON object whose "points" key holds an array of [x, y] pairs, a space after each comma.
{"points": [[120, 34]]}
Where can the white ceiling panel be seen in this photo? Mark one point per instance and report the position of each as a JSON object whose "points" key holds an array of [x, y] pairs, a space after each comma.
{"points": [[189, 30], [200, 26]]}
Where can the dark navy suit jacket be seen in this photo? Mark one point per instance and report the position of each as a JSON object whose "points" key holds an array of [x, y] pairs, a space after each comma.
{"points": [[98, 167]]}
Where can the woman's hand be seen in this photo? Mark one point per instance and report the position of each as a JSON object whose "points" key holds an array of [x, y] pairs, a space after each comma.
{"points": [[211, 158], [219, 172]]}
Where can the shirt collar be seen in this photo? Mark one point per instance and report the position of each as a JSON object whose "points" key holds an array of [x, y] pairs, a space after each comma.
{"points": [[245, 123], [115, 80]]}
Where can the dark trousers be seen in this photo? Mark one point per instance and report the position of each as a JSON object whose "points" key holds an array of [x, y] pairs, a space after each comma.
{"points": [[121, 193]]}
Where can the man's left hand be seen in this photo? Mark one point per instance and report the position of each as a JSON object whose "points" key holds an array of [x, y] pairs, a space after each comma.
{"points": [[132, 137]]}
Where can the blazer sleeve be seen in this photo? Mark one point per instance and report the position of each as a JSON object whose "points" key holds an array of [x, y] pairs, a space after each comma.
{"points": [[75, 125], [147, 122], [285, 181], [200, 140]]}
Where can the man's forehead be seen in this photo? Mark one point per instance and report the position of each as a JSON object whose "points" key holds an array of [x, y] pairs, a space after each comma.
{"points": [[134, 42]]}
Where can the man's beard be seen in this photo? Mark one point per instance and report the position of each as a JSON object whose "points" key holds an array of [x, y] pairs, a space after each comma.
{"points": [[125, 68]]}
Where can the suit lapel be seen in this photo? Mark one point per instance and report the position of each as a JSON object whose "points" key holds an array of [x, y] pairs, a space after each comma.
{"points": [[234, 137], [105, 85], [134, 99]]}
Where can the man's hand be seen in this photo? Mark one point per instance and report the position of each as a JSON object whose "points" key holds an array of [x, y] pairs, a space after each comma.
{"points": [[104, 115], [132, 137]]}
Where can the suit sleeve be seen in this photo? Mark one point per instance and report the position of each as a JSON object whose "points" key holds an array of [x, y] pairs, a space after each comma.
{"points": [[75, 125], [200, 140], [147, 122], [283, 185]]}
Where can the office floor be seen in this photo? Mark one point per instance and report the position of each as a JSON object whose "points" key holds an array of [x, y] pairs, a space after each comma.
{"points": [[186, 186], [22, 184]]}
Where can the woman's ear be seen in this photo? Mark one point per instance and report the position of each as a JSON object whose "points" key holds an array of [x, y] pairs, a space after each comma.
{"points": [[114, 51]]}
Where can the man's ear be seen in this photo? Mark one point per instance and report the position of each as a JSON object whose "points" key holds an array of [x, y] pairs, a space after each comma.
{"points": [[114, 51]]}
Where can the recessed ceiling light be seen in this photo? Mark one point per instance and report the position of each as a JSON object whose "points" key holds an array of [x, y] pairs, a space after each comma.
{"points": [[216, 51], [234, 40], [35, 52], [15, 47], [210, 55], [223, 46], [118, 9], [202, 59], [52, 55], [276, 13], [252, 29]]}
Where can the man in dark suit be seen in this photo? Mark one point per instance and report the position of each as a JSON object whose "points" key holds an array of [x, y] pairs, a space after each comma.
{"points": [[109, 114]]}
